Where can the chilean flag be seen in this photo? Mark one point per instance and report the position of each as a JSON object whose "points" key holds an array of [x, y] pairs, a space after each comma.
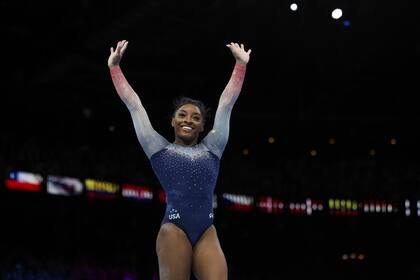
{"points": [[24, 181]]}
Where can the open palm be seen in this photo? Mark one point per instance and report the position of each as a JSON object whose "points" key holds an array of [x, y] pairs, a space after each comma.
{"points": [[115, 56], [239, 52]]}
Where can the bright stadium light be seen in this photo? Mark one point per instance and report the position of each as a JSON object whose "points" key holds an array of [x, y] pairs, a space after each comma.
{"points": [[337, 13], [293, 7]]}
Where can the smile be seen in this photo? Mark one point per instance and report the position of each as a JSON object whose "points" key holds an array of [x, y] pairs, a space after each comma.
{"points": [[187, 128]]}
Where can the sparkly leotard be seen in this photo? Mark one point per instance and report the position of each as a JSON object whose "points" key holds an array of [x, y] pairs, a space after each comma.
{"points": [[188, 174]]}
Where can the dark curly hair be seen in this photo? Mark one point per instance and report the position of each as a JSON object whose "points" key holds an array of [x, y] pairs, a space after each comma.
{"points": [[182, 100]]}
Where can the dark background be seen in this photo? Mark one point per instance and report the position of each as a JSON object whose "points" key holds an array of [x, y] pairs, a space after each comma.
{"points": [[310, 78]]}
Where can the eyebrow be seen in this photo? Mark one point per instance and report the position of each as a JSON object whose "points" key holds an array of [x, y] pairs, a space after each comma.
{"points": [[194, 113]]}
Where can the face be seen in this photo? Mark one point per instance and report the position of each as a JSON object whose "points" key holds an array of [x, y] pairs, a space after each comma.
{"points": [[187, 123]]}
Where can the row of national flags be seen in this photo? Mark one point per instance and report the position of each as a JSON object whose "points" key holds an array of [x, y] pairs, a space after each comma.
{"points": [[67, 186], [98, 189]]}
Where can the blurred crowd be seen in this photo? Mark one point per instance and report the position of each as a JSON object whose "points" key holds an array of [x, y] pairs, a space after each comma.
{"points": [[25, 266]]}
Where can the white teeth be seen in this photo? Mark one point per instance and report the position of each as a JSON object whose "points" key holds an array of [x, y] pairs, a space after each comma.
{"points": [[187, 128]]}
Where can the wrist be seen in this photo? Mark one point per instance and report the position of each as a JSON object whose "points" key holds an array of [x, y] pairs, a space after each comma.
{"points": [[238, 61], [113, 66], [115, 70], [240, 64]]}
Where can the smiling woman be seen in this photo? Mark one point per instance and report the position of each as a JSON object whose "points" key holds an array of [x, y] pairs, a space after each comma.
{"points": [[188, 120], [187, 170]]}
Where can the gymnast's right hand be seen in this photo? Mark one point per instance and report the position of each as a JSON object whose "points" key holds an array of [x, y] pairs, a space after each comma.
{"points": [[115, 56]]}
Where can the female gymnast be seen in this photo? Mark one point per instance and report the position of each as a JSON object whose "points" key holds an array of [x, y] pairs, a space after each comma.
{"points": [[187, 170]]}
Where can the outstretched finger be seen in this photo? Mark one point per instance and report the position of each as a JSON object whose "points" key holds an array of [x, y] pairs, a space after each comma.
{"points": [[119, 46], [112, 50], [242, 46], [249, 51], [124, 47]]}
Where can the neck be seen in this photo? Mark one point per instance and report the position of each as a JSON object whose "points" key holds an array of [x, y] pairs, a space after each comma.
{"points": [[179, 141]]}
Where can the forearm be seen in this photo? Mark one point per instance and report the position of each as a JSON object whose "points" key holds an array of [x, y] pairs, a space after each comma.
{"points": [[149, 139], [217, 138], [234, 86], [124, 90]]}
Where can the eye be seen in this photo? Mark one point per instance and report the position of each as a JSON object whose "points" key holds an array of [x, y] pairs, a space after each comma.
{"points": [[197, 119]]}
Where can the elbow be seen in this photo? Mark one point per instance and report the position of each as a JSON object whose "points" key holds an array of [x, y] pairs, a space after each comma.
{"points": [[133, 107], [227, 102], [133, 104]]}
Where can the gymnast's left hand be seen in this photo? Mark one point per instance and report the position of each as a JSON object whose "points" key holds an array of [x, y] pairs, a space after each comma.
{"points": [[116, 56], [239, 52]]}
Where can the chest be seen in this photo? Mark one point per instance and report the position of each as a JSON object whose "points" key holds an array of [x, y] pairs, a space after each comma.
{"points": [[185, 162]]}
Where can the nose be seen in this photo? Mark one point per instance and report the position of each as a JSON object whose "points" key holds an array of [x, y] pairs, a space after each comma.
{"points": [[188, 119]]}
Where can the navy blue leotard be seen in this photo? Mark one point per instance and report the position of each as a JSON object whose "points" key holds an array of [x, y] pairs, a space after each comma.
{"points": [[188, 174]]}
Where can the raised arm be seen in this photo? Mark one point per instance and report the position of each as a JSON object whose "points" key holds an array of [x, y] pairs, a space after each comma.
{"points": [[217, 138], [150, 140]]}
